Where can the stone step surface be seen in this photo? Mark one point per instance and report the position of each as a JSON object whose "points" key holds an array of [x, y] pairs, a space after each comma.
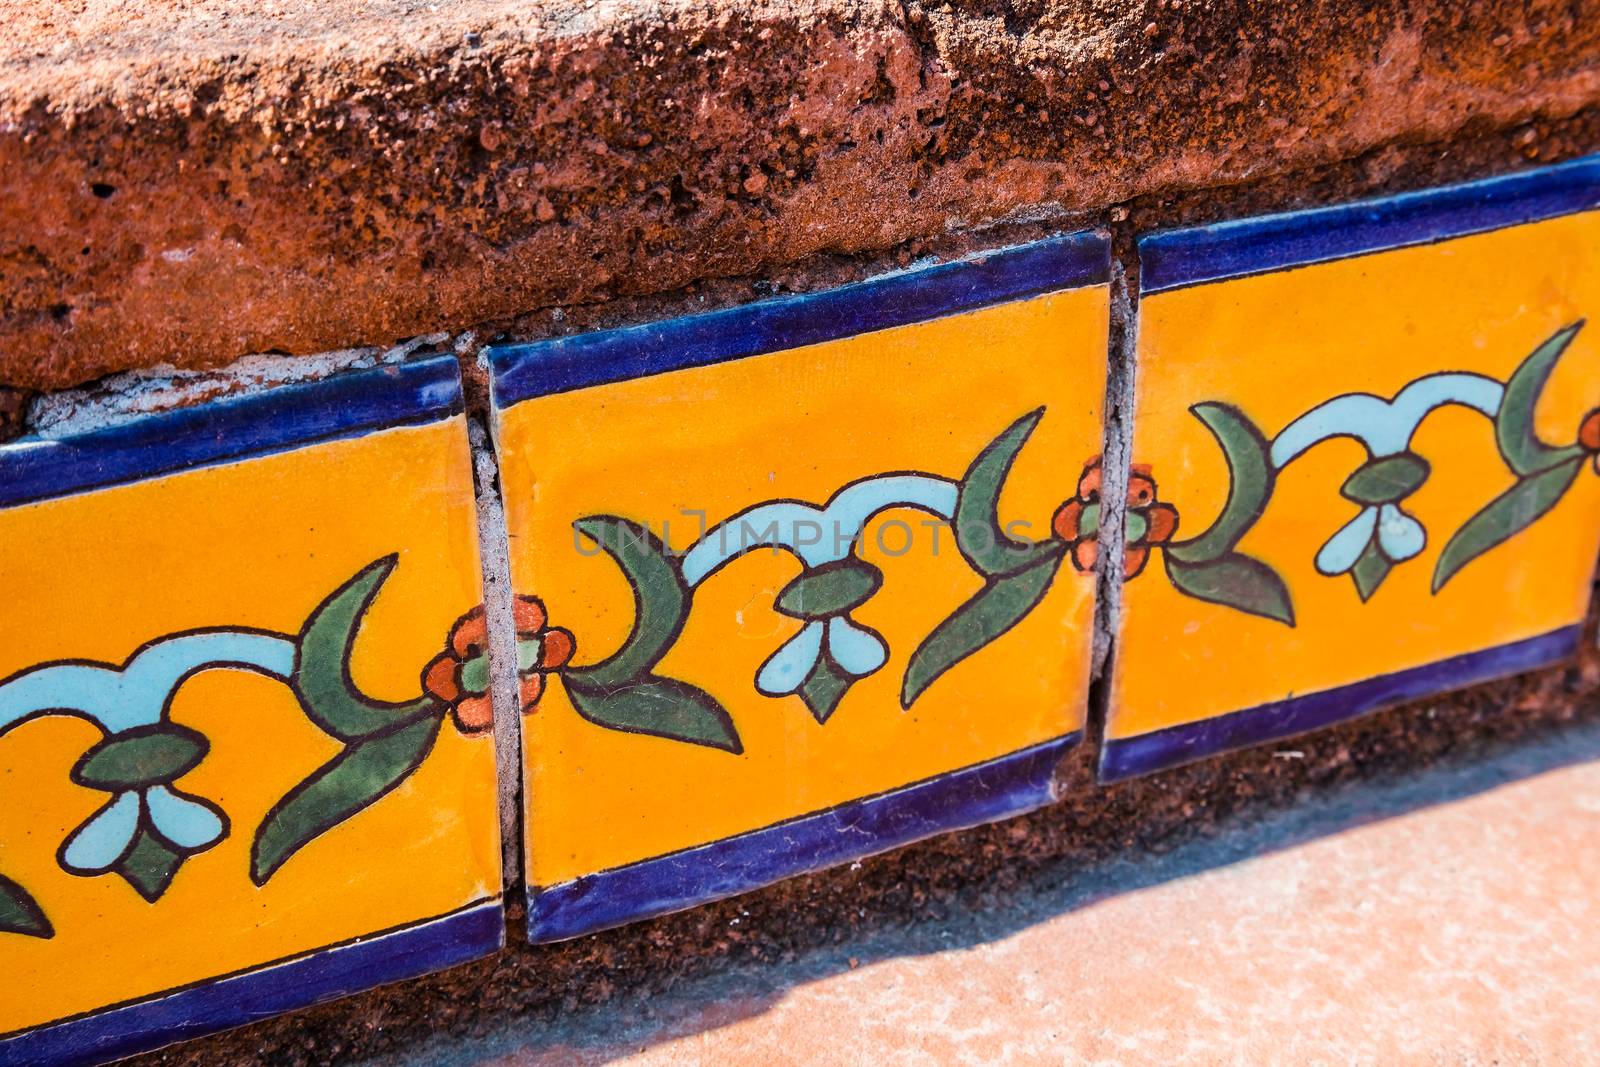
{"points": [[1446, 916]]}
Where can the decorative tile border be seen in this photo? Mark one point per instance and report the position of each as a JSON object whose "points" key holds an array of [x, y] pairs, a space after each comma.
{"points": [[283, 555], [989, 792], [1348, 328], [1178, 745], [888, 703], [855, 373], [1241, 247], [231, 429], [914, 295]]}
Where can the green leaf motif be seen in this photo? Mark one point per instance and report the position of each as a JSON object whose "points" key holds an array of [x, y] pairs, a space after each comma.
{"points": [[1386, 479], [20, 913], [979, 537], [657, 707], [661, 601], [1234, 581], [145, 756], [620, 692], [998, 606], [1505, 516], [831, 589], [824, 687], [150, 865], [322, 662], [1513, 424], [1371, 568], [1251, 479], [353, 780]]}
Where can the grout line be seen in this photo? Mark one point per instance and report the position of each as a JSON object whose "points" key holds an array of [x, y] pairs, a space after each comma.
{"points": [[1116, 463], [494, 550]]}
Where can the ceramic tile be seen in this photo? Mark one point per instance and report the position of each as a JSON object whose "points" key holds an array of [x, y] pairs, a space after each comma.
{"points": [[788, 576], [230, 788], [1373, 426]]}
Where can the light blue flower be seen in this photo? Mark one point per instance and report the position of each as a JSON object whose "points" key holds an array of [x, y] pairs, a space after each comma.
{"points": [[1398, 535], [856, 650], [186, 823]]}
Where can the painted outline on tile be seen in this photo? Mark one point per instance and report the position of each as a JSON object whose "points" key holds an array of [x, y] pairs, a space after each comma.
{"points": [[1382, 534], [149, 827], [831, 651]]}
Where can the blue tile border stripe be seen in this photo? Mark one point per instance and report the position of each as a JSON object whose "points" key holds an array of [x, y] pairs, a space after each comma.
{"points": [[231, 428], [997, 789], [249, 996], [567, 363], [1177, 258], [1133, 756]]}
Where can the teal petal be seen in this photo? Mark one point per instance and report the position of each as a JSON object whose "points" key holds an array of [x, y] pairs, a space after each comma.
{"points": [[1342, 550], [857, 651], [184, 822], [786, 669], [1399, 535], [104, 837]]}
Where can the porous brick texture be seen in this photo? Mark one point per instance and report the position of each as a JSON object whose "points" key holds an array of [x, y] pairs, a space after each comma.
{"points": [[187, 181]]}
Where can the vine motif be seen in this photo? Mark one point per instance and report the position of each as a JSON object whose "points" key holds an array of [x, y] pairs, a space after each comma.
{"points": [[149, 826], [1382, 533], [832, 650]]}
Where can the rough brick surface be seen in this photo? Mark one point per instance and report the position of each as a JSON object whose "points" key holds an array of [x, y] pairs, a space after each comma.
{"points": [[190, 181]]}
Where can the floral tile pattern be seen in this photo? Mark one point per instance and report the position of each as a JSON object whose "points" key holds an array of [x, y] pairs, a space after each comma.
{"points": [[1375, 430], [233, 783], [792, 577]]}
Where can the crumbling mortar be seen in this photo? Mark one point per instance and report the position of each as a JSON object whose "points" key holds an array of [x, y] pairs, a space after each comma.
{"points": [[1116, 459], [494, 552], [121, 398]]}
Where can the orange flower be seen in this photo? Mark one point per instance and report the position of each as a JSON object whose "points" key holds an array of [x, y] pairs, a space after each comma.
{"points": [[1589, 436], [1146, 522], [459, 677]]}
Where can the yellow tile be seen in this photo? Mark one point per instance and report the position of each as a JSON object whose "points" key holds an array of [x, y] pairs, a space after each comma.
{"points": [[238, 556], [1276, 346], [920, 401]]}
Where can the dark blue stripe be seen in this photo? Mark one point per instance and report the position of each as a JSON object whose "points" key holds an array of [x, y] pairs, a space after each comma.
{"points": [[1177, 745], [253, 995], [1272, 242], [998, 789], [567, 363], [231, 428]]}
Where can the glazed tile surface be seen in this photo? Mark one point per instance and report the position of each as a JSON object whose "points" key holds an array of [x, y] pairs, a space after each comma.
{"points": [[218, 750], [792, 588], [1375, 429]]}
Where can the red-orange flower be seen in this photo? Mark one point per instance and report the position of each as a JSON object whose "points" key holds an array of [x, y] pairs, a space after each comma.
{"points": [[1146, 522], [459, 676], [1589, 436]]}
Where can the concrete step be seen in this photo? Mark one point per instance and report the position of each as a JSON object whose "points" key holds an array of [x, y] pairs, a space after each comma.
{"points": [[1446, 916]]}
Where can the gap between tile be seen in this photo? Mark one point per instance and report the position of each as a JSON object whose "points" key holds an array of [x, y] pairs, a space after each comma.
{"points": [[495, 554], [1116, 464]]}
